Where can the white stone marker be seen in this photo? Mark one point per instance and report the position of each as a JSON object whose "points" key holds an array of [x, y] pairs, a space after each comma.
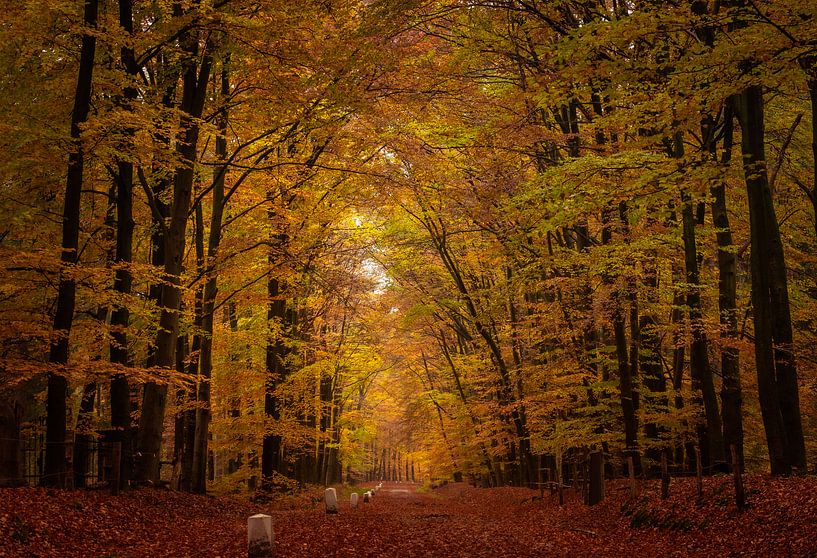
{"points": [[366, 497], [260, 538], [330, 496], [353, 500]]}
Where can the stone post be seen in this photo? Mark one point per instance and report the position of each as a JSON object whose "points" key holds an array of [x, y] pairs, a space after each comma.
{"points": [[260, 538], [330, 497]]}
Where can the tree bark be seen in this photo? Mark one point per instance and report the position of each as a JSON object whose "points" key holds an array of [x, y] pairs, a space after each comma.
{"points": [[731, 391], [120, 316], [710, 433], [627, 370], [149, 438], [83, 435], [276, 372], [56, 402], [776, 368], [203, 414], [812, 89], [11, 458]]}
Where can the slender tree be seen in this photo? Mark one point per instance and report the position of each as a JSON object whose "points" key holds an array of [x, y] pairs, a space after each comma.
{"points": [[55, 454]]}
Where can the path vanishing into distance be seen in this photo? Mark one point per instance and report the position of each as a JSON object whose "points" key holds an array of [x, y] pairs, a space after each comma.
{"points": [[456, 520]]}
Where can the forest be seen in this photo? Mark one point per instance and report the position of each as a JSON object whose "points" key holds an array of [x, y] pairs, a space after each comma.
{"points": [[562, 250]]}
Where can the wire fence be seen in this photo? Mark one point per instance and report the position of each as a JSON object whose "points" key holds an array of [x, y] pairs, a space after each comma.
{"points": [[89, 461]]}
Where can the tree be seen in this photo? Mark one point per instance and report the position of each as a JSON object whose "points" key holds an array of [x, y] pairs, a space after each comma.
{"points": [[55, 455]]}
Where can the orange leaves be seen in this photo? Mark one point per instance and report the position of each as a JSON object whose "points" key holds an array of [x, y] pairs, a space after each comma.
{"points": [[454, 521]]}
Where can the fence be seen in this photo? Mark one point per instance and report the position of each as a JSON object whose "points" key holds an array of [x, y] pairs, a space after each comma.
{"points": [[96, 466]]}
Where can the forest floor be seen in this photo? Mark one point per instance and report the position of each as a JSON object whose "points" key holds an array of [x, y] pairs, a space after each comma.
{"points": [[453, 521]]}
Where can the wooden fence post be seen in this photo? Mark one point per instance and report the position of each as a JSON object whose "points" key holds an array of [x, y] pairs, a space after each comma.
{"points": [[631, 471], [559, 488], [740, 498], [116, 467], [595, 492], [665, 478]]}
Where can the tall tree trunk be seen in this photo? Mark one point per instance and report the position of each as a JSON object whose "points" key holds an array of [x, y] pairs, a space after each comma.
{"points": [[120, 317], [203, 414], [679, 355], [731, 392], [276, 372], [710, 431], [776, 368], [56, 403], [627, 360], [710, 437], [11, 458], [149, 438], [84, 435], [812, 89], [185, 396]]}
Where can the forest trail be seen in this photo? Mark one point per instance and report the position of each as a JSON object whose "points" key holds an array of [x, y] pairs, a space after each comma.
{"points": [[455, 521], [460, 521]]}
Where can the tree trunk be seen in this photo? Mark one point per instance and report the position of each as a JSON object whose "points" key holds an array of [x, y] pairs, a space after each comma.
{"points": [[185, 396], [710, 433], [56, 403], [731, 392], [486, 459], [83, 435], [203, 414], [596, 473], [683, 449], [149, 439], [120, 317], [626, 369], [812, 89], [776, 369], [505, 390], [653, 395], [276, 372]]}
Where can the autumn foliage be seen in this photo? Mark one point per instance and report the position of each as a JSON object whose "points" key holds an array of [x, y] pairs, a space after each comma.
{"points": [[250, 247]]}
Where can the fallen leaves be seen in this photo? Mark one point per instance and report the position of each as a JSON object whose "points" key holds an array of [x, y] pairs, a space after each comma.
{"points": [[454, 521]]}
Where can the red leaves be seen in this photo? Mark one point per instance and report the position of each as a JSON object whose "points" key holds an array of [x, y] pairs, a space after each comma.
{"points": [[455, 521]]}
